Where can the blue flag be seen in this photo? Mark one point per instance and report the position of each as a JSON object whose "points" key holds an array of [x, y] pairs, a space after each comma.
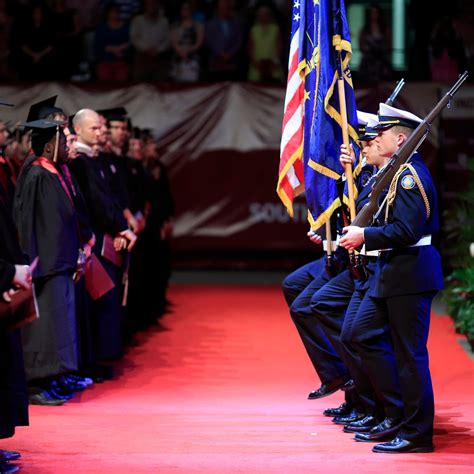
{"points": [[326, 46]]}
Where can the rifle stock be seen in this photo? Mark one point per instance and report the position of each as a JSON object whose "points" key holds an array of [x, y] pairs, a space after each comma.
{"points": [[404, 153]]}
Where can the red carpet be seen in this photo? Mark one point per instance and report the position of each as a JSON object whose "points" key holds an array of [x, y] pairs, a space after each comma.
{"points": [[221, 388]]}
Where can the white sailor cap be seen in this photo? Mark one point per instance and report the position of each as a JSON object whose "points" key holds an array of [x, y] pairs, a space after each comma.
{"points": [[365, 118], [367, 122], [390, 117]]}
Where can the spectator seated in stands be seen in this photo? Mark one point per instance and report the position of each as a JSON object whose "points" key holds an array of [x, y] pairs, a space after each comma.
{"points": [[187, 38], [112, 45], [150, 37], [448, 59], [265, 48], [36, 41], [69, 39], [375, 45], [5, 29], [224, 41]]}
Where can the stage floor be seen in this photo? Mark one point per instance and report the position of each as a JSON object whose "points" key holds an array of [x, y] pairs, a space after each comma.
{"points": [[220, 387]]}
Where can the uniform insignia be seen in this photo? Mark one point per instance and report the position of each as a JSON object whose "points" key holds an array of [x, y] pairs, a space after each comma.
{"points": [[365, 177], [408, 182], [113, 168]]}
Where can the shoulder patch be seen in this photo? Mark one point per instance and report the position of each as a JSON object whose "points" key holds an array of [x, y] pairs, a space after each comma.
{"points": [[408, 182], [365, 177]]}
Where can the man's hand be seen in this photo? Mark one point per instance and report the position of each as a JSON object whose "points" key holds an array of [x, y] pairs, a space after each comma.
{"points": [[315, 238], [130, 236], [353, 237], [120, 243], [87, 249], [22, 278], [347, 156], [7, 295], [141, 224]]}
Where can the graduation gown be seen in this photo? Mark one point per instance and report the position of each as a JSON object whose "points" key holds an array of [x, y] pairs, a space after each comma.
{"points": [[106, 217], [86, 356], [142, 271], [7, 180], [48, 228], [13, 393], [158, 249]]}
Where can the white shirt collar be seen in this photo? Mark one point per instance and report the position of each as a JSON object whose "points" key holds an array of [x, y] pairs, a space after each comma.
{"points": [[86, 149]]}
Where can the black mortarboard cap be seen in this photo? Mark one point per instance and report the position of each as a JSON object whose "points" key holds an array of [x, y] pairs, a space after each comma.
{"points": [[43, 124], [43, 109], [43, 129], [117, 113], [42, 132]]}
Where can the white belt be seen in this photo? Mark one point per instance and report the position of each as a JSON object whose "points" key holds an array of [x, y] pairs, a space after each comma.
{"points": [[368, 253], [425, 240], [335, 243]]}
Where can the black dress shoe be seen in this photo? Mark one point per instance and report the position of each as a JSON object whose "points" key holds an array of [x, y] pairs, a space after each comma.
{"points": [[361, 426], [45, 398], [69, 386], [341, 410], [59, 392], [9, 455], [348, 386], [385, 430], [326, 389], [87, 381], [353, 416], [400, 445], [7, 468]]}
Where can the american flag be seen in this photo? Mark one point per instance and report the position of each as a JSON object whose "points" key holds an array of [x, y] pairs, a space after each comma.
{"points": [[291, 171], [312, 122]]}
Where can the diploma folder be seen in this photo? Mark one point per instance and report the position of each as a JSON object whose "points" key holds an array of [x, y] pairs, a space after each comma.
{"points": [[22, 310], [109, 252], [98, 281]]}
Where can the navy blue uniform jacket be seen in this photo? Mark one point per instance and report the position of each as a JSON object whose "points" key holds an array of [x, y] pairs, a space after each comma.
{"points": [[407, 270]]}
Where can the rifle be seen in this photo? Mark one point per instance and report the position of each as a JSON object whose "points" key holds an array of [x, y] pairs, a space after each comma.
{"points": [[396, 91], [404, 153]]}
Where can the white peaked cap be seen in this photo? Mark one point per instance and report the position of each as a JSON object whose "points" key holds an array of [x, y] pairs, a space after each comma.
{"points": [[365, 118], [390, 116]]}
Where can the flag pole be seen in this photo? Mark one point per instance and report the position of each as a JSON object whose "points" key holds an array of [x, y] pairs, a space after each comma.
{"points": [[345, 133], [329, 248]]}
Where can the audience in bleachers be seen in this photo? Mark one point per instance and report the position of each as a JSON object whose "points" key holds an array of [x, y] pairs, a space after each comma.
{"points": [[150, 37], [187, 39], [118, 40]]}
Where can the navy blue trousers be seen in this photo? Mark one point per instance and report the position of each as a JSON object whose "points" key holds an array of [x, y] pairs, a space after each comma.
{"points": [[408, 320], [298, 288], [359, 323]]}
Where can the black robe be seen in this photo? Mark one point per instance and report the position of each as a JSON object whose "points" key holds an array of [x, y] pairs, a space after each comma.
{"points": [[13, 394], [48, 228], [106, 216], [159, 249], [84, 317], [104, 209]]}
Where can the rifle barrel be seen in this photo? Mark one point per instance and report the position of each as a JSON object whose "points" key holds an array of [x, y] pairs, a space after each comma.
{"points": [[459, 83], [396, 91], [403, 154]]}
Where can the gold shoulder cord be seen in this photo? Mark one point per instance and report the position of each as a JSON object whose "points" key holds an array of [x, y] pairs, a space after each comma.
{"points": [[392, 191]]}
